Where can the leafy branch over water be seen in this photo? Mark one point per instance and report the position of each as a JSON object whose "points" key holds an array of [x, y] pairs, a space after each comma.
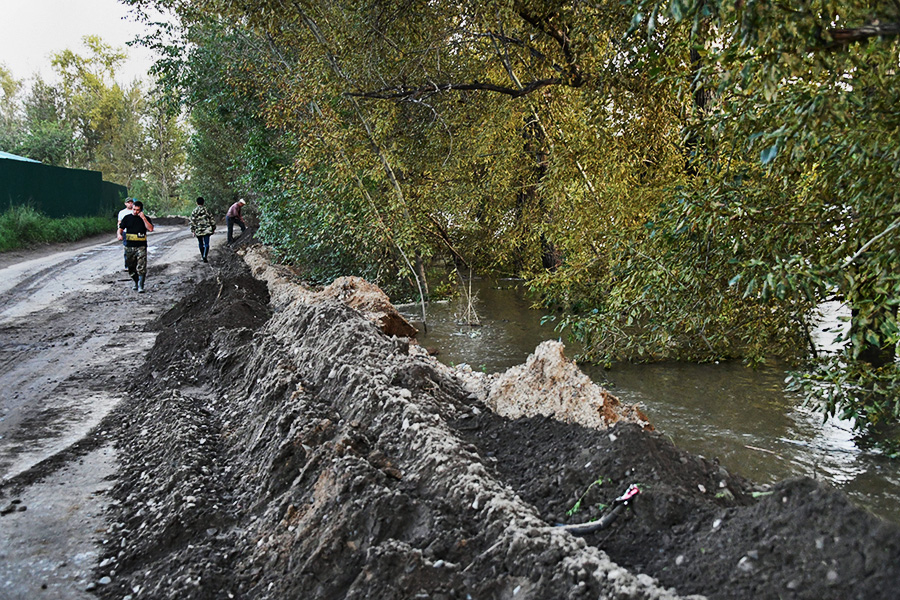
{"points": [[685, 180]]}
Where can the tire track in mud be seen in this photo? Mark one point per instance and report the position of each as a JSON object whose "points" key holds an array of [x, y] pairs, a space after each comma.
{"points": [[66, 350], [35, 285]]}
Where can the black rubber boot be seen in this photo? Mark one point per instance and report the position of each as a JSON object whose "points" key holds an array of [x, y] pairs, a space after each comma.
{"points": [[140, 284], [135, 278]]}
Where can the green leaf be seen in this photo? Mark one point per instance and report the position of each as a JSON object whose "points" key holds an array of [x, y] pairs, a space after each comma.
{"points": [[872, 338], [769, 154], [636, 21]]}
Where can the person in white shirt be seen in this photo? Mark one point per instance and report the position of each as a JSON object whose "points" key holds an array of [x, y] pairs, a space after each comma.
{"points": [[129, 204]]}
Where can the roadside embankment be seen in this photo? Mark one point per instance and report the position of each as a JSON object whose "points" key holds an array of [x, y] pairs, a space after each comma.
{"points": [[283, 446]]}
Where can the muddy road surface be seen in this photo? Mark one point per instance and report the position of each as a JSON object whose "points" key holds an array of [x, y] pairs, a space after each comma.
{"points": [[234, 434], [72, 333]]}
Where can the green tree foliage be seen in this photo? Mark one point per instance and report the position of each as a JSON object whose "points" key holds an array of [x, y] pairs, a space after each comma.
{"points": [[87, 120], [435, 130], [9, 109], [688, 179], [33, 126], [208, 68], [104, 116], [45, 135], [795, 185], [163, 150]]}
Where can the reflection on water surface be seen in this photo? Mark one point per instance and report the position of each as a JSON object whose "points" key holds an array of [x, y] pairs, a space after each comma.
{"points": [[727, 411]]}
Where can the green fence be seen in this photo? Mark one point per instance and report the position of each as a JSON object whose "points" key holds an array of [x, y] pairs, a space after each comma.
{"points": [[56, 191]]}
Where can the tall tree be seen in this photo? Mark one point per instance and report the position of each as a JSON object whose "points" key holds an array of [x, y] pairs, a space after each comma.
{"points": [[796, 182], [47, 137], [105, 117], [10, 118], [164, 152]]}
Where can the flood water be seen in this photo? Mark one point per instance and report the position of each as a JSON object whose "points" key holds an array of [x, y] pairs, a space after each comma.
{"points": [[726, 411]]}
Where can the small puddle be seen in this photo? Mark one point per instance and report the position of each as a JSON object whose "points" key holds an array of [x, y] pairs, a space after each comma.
{"points": [[726, 411]]}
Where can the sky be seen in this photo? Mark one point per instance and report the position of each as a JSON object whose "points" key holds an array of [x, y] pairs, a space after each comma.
{"points": [[32, 30]]}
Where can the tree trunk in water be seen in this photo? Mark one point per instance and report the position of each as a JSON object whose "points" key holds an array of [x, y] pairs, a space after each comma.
{"points": [[531, 196], [877, 356], [420, 269]]}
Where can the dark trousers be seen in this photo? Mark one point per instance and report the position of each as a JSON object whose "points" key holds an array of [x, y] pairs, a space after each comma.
{"points": [[203, 241], [229, 222]]}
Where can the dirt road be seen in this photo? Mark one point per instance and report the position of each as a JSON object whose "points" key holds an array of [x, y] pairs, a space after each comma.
{"points": [[71, 332]]}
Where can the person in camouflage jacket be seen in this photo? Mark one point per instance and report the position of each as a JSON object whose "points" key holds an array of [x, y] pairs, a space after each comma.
{"points": [[202, 226]]}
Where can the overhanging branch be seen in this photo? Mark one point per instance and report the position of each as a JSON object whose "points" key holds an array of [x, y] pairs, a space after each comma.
{"points": [[569, 75], [858, 34], [404, 93]]}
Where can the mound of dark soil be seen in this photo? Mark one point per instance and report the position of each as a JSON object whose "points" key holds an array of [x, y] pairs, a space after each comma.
{"points": [[694, 527], [295, 451]]}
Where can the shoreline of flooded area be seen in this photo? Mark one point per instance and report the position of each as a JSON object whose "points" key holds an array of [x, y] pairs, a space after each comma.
{"points": [[725, 411]]}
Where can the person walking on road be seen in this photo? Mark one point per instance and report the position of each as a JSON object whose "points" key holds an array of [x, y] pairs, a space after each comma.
{"points": [[234, 216], [129, 204], [133, 230], [202, 226]]}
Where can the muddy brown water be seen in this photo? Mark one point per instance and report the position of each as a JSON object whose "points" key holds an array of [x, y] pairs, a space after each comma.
{"points": [[740, 416]]}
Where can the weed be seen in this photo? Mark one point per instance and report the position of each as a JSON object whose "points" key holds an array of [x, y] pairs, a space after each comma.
{"points": [[577, 505]]}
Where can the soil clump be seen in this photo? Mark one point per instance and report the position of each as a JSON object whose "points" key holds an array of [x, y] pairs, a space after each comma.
{"points": [[281, 445]]}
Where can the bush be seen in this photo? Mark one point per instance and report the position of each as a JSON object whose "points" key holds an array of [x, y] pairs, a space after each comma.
{"points": [[23, 226]]}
